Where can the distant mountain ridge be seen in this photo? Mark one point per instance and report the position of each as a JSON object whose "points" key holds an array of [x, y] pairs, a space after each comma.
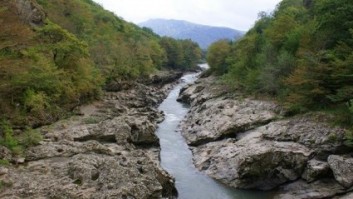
{"points": [[202, 34]]}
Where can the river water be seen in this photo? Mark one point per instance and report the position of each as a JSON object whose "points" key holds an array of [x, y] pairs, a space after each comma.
{"points": [[176, 157]]}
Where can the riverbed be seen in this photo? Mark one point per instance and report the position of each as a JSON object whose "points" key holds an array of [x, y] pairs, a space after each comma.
{"points": [[176, 156]]}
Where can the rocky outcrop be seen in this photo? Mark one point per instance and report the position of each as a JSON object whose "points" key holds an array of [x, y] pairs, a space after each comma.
{"points": [[91, 175], [309, 130], [30, 12], [248, 143], [342, 168], [108, 150], [316, 169], [252, 163], [212, 117]]}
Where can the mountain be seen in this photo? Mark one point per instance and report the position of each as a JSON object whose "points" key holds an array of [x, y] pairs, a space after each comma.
{"points": [[202, 34]]}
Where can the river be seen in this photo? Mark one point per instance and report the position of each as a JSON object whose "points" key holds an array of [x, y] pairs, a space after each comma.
{"points": [[176, 157]]}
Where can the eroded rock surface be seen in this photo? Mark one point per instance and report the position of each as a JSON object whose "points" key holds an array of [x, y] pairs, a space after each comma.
{"points": [[248, 143], [252, 163], [342, 168], [325, 188], [109, 150], [213, 117], [316, 169]]}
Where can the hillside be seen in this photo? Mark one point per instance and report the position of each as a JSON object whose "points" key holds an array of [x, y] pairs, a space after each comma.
{"points": [[301, 55], [56, 55], [203, 35]]}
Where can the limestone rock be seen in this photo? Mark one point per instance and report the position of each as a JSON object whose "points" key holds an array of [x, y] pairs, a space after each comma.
{"points": [[3, 170], [142, 131], [318, 136], [252, 163], [65, 148], [90, 176], [316, 169], [212, 117], [342, 168], [202, 90], [325, 188]]}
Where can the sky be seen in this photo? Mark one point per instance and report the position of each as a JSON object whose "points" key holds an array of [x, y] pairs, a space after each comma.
{"points": [[237, 14]]}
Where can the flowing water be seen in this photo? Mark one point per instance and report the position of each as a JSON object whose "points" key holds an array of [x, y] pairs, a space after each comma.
{"points": [[176, 157]]}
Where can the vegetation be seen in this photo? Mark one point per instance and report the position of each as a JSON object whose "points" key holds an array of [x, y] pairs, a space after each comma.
{"points": [[17, 143], [44, 71], [181, 54], [49, 68], [120, 49], [8, 140], [301, 54]]}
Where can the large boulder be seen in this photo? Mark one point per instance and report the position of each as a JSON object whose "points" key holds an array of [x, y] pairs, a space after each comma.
{"points": [[316, 169], [342, 168], [251, 162], [142, 131], [310, 130], [202, 90]]}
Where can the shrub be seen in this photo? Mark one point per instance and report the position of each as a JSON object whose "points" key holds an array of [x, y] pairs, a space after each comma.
{"points": [[30, 137], [8, 140]]}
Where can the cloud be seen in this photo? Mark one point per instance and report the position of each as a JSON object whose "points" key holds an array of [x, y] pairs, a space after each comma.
{"points": [[238, 14]]}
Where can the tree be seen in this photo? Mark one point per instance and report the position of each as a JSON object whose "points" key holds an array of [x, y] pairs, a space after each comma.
{"points": [[217, 55]]}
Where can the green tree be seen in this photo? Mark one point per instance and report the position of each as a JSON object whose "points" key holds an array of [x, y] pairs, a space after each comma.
{"points": [[217, 56]]}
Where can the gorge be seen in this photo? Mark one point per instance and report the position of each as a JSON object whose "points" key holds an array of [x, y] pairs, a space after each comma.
{"points": [[176, 157], [93, 106]]}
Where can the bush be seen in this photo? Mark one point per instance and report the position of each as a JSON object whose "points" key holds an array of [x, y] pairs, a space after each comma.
{"points": [[8, 140], [16, 143], [30, 138]]}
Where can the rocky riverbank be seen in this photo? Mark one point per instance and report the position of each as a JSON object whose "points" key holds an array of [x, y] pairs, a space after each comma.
{"points": [[249, 144], [108, 150]]}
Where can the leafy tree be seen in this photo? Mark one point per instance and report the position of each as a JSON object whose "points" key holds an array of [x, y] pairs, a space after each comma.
{"points": [[217, 55]]}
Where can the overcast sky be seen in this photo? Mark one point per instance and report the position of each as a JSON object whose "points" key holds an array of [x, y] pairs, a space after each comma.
{"points": [[237, 14]]}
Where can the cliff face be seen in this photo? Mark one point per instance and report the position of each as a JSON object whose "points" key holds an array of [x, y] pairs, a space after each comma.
{"points": [[249, 143]]}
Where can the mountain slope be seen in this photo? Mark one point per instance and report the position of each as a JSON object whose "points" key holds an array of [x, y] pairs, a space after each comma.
{"points": [[57, 54], [302, 54], [203, 35]]}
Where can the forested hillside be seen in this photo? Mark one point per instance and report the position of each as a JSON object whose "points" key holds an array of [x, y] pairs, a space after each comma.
{"points": [[57, 54], [302, 54]]}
